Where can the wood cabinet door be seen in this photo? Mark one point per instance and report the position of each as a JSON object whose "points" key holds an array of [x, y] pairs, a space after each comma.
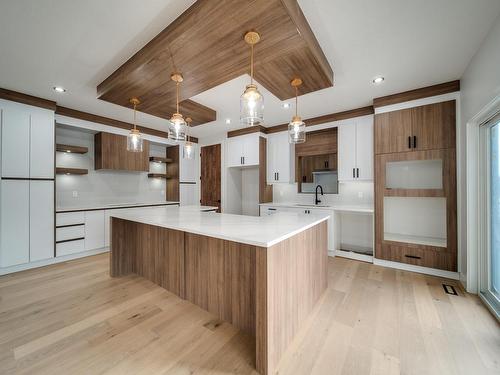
{"points": [[393, 131], [434, 126]]}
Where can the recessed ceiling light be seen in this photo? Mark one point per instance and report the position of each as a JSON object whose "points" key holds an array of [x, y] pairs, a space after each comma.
{"points": [[286, 105], [228, 121], [59, 89], [378, 80]]}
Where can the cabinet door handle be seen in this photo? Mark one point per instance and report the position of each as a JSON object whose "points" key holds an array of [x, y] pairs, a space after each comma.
{"points": [[243, 160], [412, 256], [414, 141], [409, 141], [353, 173], [278, 176], [357, 172]]}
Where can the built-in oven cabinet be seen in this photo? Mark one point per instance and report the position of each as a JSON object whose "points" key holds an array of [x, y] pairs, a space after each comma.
{"points": [[415, 205]]}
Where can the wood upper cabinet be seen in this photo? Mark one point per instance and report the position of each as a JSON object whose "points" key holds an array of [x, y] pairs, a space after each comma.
{"points": [[428, 127], [434, 127], [111, 153], [393, 131]]}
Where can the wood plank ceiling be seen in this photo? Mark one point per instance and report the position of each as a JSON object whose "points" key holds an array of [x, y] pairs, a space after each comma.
{"points": [[206, 44]]}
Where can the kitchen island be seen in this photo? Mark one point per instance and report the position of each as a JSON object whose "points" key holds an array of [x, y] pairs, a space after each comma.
{"points": [[262, 274]]}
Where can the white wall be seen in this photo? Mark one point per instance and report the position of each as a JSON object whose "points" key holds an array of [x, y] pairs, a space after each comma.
{"points": [[103, 187], [480, 84]]}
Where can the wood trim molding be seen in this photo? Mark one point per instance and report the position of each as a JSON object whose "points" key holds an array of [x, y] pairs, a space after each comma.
{"points": [[69, 112], [27, 99], [248, 130], [423, 92]]}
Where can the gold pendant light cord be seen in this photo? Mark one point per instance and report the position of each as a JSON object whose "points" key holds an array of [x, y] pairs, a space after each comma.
{"points": [[135, 106], [251, 65], [296, 100], [177, 96]]}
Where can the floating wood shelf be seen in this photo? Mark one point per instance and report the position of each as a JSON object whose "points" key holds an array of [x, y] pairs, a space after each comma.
{"points": [[158, 159], [71, 149], [158, 175], [79, 171]]}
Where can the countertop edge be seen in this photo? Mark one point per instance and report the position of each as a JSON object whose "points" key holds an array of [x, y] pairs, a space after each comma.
{"points": [[346, 208], [100, 208]]}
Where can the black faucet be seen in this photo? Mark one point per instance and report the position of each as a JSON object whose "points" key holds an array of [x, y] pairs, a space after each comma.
{"points": [[317, 201]]}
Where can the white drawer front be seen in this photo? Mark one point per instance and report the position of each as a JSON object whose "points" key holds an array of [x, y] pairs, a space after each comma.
{"points": [[70, 218], [70, 247], [70, 233]]}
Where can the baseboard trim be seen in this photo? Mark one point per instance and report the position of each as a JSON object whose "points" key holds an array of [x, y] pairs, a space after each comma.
{"points": [[418, 269], [351, 255], [48, 262]]}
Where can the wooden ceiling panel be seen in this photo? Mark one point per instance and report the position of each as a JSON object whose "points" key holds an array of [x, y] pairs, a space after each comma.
{"points": [[206, 44]]}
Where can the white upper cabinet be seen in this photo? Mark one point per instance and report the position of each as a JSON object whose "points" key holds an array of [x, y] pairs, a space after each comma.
{"points": [[42, 144], [355, 149], [15, 140], [189, 168], [41, 220], [364, 148], [243, 150], [346, 151], [280, 159], [27, 141]]}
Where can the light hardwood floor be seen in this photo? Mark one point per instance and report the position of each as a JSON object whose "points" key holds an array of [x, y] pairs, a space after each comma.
{"points": [[72, 318]]}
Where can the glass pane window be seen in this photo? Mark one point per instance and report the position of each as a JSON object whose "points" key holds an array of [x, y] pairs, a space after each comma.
{"points": [[495, 210], [414, 174]]}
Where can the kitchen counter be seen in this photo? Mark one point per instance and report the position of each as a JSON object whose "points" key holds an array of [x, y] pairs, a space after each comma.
{"points": [[334, 207], [111, 206], [262, 231], [236, 267]]}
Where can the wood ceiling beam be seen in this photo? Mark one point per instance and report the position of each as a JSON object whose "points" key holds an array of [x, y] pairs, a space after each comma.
{"points": [[206, 44], [27, 99], [423, 92], [73, 113]]}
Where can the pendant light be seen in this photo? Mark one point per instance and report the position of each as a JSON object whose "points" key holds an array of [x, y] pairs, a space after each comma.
{"points": [[134, 138], [177, 126], [188, 146], [296, 127], [251, 101]]}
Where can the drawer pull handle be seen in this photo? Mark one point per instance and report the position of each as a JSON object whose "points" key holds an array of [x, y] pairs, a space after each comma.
{"points": [[71, 240], [412, 256]]}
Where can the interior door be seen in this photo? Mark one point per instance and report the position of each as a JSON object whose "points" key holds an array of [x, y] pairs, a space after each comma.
{"points": [[211, 176]]}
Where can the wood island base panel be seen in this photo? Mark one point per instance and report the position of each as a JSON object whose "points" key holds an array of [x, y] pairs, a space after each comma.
{"points": [[265, 291]]}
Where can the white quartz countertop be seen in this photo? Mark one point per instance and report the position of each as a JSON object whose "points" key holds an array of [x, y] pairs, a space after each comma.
{"points": [[333, 207], [110, 206], [262, 231]]}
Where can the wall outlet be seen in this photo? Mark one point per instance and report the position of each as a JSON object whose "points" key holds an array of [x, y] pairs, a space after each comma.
{"points": [[75, 194], [360, 194]]}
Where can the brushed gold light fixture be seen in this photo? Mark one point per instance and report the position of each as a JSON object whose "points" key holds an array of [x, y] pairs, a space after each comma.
{"points": [[251, 101], [296, 127], [188, 146], [177, 126], [134, 138]]}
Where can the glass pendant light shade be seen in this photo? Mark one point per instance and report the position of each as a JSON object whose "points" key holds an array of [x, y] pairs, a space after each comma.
{"points": [[251, 106], [177, 128], [296, 127], [134, 141], [134, 138], [296, 130], [177, 125], [251, 101], [188, 145]]}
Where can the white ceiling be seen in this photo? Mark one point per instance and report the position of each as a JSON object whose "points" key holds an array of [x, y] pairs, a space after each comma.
{"points": [[76, 44]]}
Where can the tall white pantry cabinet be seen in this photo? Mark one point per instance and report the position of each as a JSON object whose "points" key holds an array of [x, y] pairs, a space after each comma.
{"points": [[27, 141]]}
